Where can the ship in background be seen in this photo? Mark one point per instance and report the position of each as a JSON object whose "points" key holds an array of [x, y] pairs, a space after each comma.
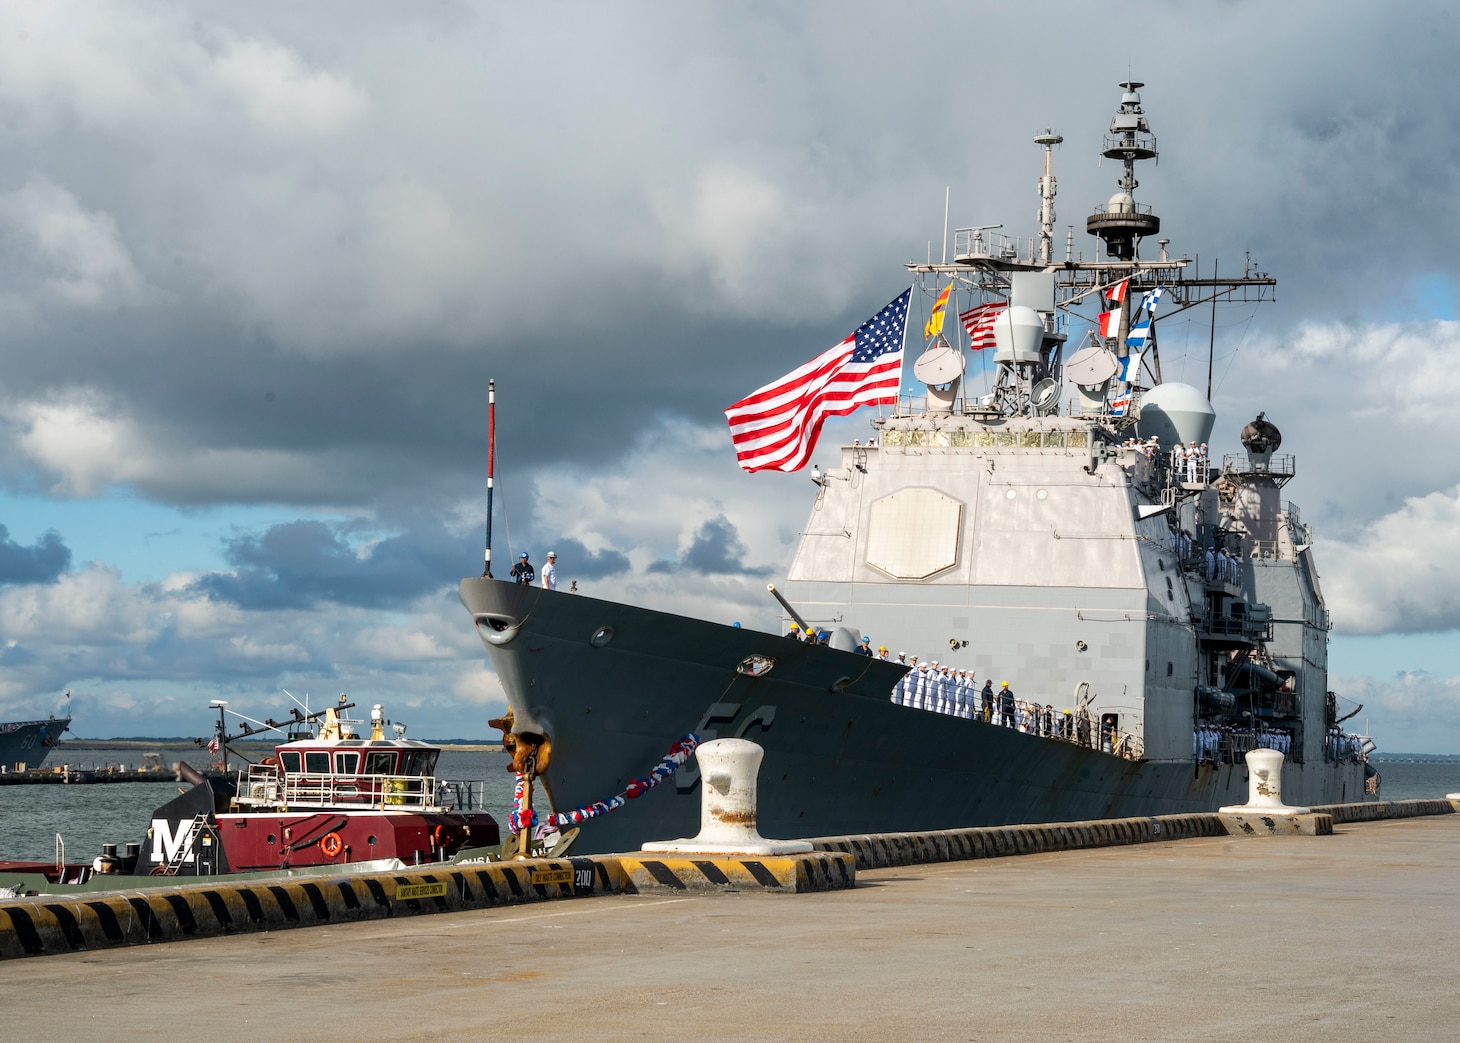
{"points": [[1165, 606], [24, 745]]}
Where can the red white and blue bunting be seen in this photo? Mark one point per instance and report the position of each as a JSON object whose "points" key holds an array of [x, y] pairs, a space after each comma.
{"points": [[680, 752]]}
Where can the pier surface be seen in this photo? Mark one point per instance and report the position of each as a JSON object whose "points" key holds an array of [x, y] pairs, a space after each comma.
{"points": [[1347, 936]]}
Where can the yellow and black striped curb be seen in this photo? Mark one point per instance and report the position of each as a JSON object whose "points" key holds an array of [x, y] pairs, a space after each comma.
{"points": [[50, 924], [788, 874], [1375, 810], [96, 920], [1255, 824], [881, 850]]}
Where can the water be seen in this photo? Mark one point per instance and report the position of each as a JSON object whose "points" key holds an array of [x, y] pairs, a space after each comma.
{"points": [[115, 813]]}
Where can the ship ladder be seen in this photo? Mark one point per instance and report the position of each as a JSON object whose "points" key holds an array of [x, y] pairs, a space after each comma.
{"points": [[187, 846]]}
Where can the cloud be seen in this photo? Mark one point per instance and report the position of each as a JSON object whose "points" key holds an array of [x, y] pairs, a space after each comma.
{"points": [[1402, 573], [280, 93], [715, 550], [1414, 711], [43, 562], [59, 254], [308, 563]]}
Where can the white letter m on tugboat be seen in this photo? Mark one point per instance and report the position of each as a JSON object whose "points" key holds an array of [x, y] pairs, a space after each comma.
{"points": [[166, 844]]}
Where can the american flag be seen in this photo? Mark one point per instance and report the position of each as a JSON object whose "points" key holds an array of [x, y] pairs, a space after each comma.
{"points": [[777, 426], [213, 744], [979, 322]]}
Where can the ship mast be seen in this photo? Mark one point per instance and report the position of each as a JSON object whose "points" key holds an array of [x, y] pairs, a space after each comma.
{"points": [[1033, 373], [1122, 222]]}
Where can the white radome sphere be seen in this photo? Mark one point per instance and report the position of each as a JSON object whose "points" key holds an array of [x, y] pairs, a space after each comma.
{"points": [[1176, 413]]}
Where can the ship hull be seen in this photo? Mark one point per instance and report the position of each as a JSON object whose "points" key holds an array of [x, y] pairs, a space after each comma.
{"points": [[613, 686], [24, 745]]}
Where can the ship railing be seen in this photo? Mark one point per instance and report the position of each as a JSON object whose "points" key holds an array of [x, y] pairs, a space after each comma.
{"points": [[1233, 747], [1059, 725], [1229, 626], [1264, 550], [265, 784], [1125, 208], [1283, 465], [982, 244]]}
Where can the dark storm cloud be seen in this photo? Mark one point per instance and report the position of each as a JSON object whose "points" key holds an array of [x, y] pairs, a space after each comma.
{"points": [[307, 563], [338, 292], [576, 561], [288, 314], [716, 550], [42, 562]]}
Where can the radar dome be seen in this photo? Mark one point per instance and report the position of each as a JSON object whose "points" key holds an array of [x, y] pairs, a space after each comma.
{"points": [[1261, 436], [1121, 203], [1175, 413], [1018, 333]]}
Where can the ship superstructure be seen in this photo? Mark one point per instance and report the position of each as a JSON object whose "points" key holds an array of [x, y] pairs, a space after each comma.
{"points": [[1066, 530]]}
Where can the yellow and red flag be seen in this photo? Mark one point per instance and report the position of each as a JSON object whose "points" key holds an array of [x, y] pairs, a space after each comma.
{"points": [[935, 320]]}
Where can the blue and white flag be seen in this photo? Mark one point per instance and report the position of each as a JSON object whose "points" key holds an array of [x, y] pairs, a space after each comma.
{"points": [[1150, 299], [1139, 333], [1130, 368]]}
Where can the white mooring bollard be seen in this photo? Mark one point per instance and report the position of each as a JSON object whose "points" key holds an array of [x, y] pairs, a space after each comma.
{"points": [[728, 772], [1264, 787]]}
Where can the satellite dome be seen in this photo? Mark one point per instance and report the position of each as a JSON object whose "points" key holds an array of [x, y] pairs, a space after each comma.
{"points": [[1261, 436], [1174, 413], [1121, 203], [1018, 333]]}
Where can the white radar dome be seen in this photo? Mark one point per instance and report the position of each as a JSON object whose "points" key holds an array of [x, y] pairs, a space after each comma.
{"points": [[1121, 203], [1018, 333], [1176, 413]]}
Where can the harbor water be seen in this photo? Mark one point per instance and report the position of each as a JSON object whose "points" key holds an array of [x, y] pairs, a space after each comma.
{"points": [[86, 817]]}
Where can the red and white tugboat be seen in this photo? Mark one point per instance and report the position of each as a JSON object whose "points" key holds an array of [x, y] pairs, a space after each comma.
{"points": [[336, 798]]}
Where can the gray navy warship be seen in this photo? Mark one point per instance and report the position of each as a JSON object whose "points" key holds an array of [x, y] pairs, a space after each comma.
{"points": [[25, 745], [1157, 612]]}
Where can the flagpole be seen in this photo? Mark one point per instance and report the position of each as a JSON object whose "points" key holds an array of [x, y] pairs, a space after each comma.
{"points": [[1212, 342], [491, 468], [902, 361], [947, 196]]}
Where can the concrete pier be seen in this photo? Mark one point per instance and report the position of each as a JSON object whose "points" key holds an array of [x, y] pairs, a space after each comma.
{"points": [[1149, 941]]}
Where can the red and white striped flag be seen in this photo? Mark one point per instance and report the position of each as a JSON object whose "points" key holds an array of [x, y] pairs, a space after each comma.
{"points": [[777, 426], [1115, 294], [979, 322], [1109, 322], [213, 744]]}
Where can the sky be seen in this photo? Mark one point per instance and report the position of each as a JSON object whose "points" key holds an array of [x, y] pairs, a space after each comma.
{"points": [[258, 263]]}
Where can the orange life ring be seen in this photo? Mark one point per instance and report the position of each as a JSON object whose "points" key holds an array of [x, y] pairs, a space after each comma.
{"points": [[441, 835], [331, 844]]}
